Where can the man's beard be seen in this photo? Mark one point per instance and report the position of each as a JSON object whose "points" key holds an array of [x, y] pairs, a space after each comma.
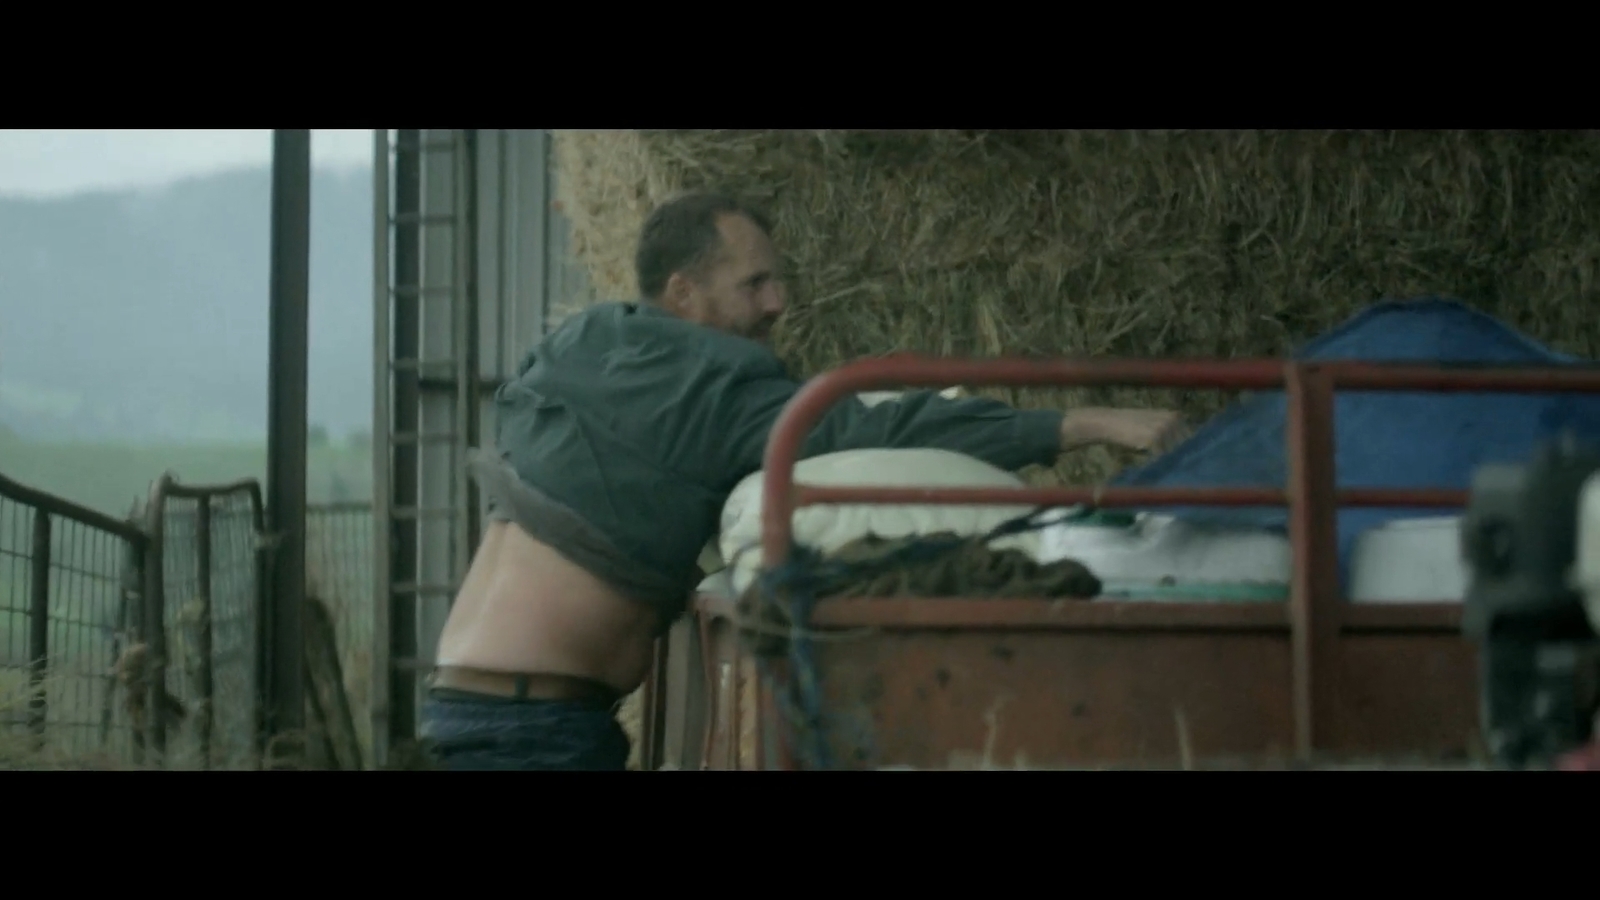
{"points": [[761, 332]]}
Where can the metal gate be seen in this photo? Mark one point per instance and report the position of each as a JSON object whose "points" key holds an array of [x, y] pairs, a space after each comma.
{"points": [[469, 260]]}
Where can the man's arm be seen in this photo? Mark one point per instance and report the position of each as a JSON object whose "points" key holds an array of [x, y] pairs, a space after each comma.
{"points": [[733, 392], [981, 428]]}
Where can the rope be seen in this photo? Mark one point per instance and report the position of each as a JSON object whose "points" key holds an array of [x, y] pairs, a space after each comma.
{"points": [[807, 576]]}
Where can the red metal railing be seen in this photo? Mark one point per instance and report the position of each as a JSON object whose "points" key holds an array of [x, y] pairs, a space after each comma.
{"points": [[1310, 494]]}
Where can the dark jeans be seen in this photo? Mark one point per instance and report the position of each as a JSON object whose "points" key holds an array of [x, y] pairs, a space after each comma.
{"points": [[470, 732]]}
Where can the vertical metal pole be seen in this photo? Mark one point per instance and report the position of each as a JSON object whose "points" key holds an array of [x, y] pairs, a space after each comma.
{"points": [[154, 673], [1314, 604], [261, 718], [39, 623], [551, 285], [206, 675], [135, 610], [286, 419], [503, 263], [378, 698], [466, 378], [402, 533], [130, 580], [465, 322]]}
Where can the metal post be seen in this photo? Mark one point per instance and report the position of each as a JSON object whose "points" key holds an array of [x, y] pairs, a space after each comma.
{"points": [[378, 699], [286, 420], [39, 623], [1314, 604], [206, 675], [131, 581], [261, 620], [468, 370], [153, 674], [406, 418]]}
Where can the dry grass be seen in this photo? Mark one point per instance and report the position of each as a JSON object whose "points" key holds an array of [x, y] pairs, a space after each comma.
{"points": [[67, 744], [72, 735], [22, 750], [1121, 243]]}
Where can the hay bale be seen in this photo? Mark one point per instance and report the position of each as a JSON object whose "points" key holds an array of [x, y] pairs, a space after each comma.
{"points": [[1117, 243], [606, 189]]}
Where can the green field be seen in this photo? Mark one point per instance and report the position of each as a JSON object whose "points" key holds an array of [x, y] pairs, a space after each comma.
{"points": [[108, 477]]}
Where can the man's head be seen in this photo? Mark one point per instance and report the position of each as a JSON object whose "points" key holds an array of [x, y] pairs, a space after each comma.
{"points": [[710, 259]]}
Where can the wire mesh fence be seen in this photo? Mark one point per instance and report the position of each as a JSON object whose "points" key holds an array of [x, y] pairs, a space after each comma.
{"points": [[339, 572], [74, 681], [68, 592], [211, 570]]}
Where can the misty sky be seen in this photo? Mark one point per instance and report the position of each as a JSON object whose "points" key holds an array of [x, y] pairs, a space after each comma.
{"points": [[52, 163]]}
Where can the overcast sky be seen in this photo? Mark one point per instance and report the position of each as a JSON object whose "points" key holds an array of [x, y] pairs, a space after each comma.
{"points": [[52, 163]]}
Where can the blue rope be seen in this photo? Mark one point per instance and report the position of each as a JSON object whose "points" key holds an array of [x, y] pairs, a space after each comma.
{"points": [[797, 578], [807, 576]]}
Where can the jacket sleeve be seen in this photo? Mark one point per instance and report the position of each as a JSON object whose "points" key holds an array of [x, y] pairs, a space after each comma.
{"points": [[985, 429]]}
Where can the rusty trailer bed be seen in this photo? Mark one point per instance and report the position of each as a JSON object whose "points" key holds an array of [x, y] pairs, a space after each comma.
{"points": [[954, 683]]}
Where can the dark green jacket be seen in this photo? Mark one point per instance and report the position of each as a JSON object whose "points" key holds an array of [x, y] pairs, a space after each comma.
{"points": [[641, 423]]}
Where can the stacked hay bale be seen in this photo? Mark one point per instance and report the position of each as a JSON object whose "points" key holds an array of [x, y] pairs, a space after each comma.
{"points": [[1151, 244], [1122, 243]]}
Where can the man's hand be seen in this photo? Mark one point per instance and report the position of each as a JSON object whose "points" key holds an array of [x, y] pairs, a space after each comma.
{"points": [[1158, 430]]}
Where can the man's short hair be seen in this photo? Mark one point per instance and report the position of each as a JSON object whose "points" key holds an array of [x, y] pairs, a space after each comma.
{"points": [[681, 236]]}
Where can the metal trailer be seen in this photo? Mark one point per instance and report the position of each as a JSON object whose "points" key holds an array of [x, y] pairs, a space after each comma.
{"points": [[953, 683]]}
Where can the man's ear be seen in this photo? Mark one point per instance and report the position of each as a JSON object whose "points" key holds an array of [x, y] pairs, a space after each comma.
{"points": [[675, 296]]}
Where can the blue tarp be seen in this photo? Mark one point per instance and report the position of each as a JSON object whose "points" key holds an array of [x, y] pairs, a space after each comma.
{"points": [[1401, 440]]}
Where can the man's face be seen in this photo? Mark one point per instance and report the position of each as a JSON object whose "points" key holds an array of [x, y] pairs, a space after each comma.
{"points": [[738, 291]]}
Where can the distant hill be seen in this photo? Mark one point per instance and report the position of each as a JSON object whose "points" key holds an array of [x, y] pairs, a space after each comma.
{"points": [[141, 316]]}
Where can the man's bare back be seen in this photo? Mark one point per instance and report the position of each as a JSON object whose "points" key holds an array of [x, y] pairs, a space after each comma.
{"points": [[525, 609]]}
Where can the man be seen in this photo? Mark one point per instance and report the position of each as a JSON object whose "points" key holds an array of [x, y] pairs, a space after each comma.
{"points": [[621, 437]]}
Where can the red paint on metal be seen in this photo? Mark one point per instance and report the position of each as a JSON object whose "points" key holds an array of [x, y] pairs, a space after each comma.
{"points": [[781, 496], [1313, 536], [1315, 617], [1440, 615], [814, 399], [1401, 693], [1093, 689]]}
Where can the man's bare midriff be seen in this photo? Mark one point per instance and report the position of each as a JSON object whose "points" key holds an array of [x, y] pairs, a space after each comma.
{"points": [[524, 608]]}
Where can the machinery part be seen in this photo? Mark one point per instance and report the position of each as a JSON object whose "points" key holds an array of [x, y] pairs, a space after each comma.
{"points": [[1540, 663]]}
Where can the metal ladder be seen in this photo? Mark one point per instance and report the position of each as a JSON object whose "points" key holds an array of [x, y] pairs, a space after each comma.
{"points": [[475, 206], [409, 249]]}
